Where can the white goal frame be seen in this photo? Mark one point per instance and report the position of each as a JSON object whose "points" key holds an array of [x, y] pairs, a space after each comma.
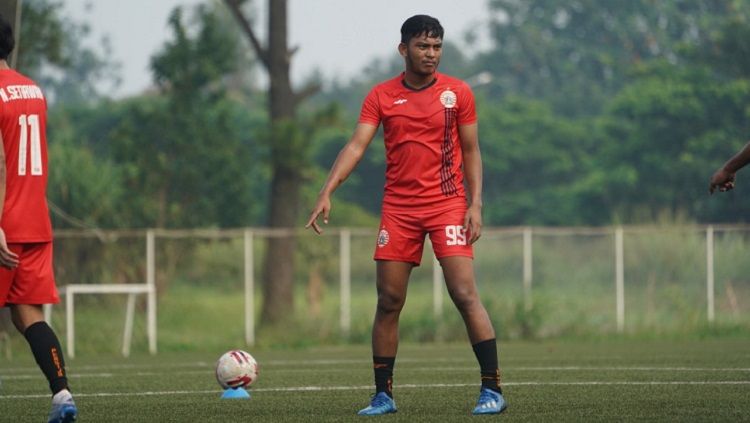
{"points": [[149, 289]]}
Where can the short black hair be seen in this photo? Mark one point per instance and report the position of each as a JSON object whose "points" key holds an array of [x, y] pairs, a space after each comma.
{"points": [[421, 24], [6, 38]]}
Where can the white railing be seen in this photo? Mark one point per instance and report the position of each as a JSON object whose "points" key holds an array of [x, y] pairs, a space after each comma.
{"points": [[250, 235]]}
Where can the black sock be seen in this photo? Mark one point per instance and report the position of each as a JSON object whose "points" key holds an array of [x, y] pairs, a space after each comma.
{"points": [[486, 352], [48, 354], [383, 367]]}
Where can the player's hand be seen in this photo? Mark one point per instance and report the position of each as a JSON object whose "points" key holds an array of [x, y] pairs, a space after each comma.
{"points": [[8, 258], [721, 180], [322, 206], [473, 223]]}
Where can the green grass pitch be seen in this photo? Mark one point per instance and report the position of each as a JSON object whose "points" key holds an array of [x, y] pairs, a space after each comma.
{"points": [[544, 381]]}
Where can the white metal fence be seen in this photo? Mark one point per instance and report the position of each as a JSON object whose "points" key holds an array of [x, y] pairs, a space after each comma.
{"points": [[548, 259]]}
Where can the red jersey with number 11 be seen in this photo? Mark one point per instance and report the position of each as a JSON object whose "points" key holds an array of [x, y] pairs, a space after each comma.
{"points": [[423, 149], [23, 120]]}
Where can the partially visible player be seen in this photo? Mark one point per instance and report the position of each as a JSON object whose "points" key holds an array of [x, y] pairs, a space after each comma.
{"points": [[431, 143], [26, 274], [723, 178]]}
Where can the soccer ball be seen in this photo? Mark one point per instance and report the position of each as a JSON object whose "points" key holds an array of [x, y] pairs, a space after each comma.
{"points": [[236, 369]]}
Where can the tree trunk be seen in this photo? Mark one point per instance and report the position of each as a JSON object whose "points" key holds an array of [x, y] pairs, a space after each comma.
{"points": [[278, 267], [287, 158]]}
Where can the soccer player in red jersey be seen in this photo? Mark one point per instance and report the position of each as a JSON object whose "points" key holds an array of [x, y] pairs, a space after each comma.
{"points": [[26, 275], [431, 143]]}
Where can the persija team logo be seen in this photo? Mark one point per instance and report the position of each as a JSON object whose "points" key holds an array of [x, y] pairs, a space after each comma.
{"points": [[448, 99], [383, 238]]}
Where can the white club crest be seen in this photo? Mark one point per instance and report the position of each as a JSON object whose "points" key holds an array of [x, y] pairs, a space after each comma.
{"points": [[383, 238], [448, 98]]}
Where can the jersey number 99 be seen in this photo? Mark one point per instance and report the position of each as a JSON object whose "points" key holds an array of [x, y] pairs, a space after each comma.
{"points": [[455, 234]]}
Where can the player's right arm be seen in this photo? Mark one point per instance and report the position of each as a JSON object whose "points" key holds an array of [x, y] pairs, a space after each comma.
{"points": [[723, 178], [345, 163], [7, 258]]}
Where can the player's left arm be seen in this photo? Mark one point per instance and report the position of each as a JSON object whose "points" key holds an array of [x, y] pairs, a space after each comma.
{"points": [[472, 159], [8, 258]]}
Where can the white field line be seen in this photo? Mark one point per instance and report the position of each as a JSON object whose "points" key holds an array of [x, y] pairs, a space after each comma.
{"points": [[33, 373], [470, 364], [337, 362], [307, 362], [369, 387]]}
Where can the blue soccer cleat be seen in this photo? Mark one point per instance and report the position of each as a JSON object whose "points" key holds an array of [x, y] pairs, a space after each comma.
{"points": [[63, 409], [380, 404], [490, 402], [63, 413]]}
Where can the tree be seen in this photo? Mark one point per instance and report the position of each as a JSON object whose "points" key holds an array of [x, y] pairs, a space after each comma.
{"points": [[184, 146], [181, 152], [289, 155], [51, 52], [533, 161], [577, 54]]}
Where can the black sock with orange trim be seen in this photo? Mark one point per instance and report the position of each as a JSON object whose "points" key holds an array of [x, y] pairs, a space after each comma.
{"points": [[383, 367], [486, 353], [48, 354]]}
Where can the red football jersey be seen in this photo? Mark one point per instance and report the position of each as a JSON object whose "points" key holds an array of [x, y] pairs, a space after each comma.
{"points": [[423, 150], [23, 120]]}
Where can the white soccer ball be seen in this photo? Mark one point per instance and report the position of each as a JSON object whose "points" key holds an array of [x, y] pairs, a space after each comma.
{"points": [[236, 369]]}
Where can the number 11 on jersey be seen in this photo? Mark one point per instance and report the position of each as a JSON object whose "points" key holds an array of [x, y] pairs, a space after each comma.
{"points": [[29, 132]]}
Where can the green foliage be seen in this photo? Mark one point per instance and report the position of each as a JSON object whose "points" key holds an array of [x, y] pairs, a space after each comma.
{"points": [[51, 51], [85, 185], [190, 69], [191, 156], [664, 129], [527, 322], [188, 156], [532, 162], [577, 54]]}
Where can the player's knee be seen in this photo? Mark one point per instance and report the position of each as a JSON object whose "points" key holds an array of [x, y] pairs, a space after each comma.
{"points": [[19, 322], [24, 316], [390, 303], [465, 300]]}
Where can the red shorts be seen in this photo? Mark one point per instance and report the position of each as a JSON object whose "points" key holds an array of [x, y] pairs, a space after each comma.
{"points": [[401, 235], [33, 280]]}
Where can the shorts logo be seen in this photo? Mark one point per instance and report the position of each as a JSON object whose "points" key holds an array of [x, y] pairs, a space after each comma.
{"points": [[448, 98], [383, 238]]}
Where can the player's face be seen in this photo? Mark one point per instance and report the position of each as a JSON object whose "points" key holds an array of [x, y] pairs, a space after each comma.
{"points": [[422, 54]]}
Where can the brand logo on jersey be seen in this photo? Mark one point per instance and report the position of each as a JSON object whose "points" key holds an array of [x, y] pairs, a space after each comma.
{"points": [[448, 98], [400, 101], [383, 238]]}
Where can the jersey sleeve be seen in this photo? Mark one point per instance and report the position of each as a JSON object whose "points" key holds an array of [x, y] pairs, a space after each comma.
{"points": [[467, 113], [370, 109]]}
